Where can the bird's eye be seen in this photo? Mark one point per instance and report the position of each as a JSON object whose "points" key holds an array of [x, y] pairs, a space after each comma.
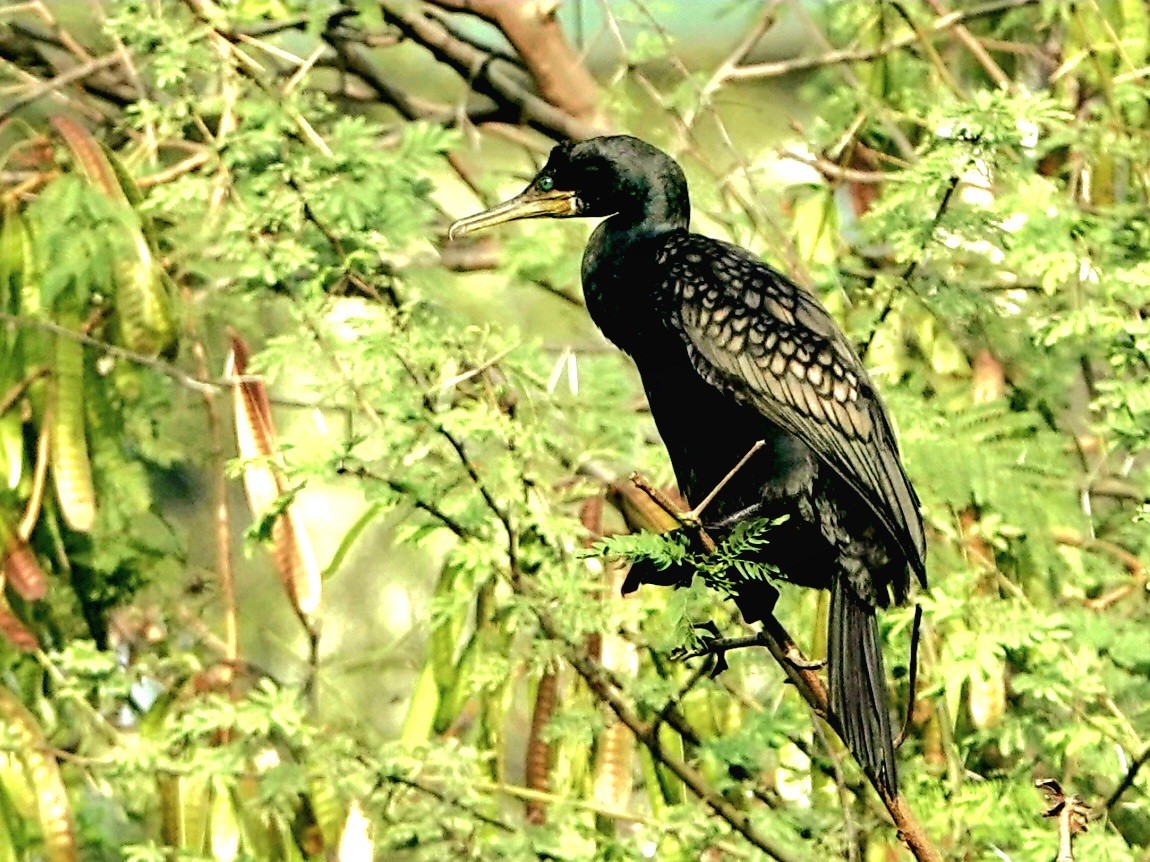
{"points": [[546, 184]]}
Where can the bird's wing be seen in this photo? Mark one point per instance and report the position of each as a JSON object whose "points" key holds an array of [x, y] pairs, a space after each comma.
{"points": [[758, 336]]}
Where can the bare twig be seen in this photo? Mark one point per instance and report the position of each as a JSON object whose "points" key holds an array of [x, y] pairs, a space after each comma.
{"points": [[607, 693], [800, 672], [809, 684], [830, 58], [1127, 780], [16, 392], [223, 527], [976, 49], [50, 86], [697, 512], [358, 62], [184, 166], [182, 377], [912, 267], [731, 62], [849, 825]]}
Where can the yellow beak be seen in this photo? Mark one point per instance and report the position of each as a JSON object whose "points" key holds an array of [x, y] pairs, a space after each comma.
{"points": [[530, 204]]}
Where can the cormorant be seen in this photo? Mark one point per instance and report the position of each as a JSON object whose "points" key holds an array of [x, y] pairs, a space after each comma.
{"points": [[731, 352]]}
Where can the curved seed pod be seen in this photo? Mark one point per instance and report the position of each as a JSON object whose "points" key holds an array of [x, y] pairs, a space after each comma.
{"points": [[143, 303], [71, 467], [539, 753], [13, 240], [13, 247], [420, 718], [20, 566], [452, 713], [224, 840], [443, 638], [11, 448], [326, 809], [615, 751], [12, 628], [132, 194], [55, 811], [614, 763], [184, 810], [142, 299], [266, 490], [90, 157]]}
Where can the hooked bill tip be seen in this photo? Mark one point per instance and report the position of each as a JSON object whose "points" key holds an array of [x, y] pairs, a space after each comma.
{"points": [[462, 226]]}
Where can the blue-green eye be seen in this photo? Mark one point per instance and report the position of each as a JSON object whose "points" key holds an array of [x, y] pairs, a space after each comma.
{"points": [[546, 184]]}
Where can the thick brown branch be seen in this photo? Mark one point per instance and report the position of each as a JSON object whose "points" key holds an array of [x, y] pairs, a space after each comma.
{"points": [[488, 75], [535, 32]]}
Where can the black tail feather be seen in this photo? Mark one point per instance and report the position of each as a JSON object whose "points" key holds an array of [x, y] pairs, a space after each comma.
{"points": [[858, 685]]}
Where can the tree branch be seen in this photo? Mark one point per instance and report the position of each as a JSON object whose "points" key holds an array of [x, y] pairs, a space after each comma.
{"points": [[534, 31], [1127, 780], [76, 73], [487, 74], [800, 672], [644, 733]]}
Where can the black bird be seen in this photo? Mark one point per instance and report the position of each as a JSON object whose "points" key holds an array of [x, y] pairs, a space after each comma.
{"points": [[732, 352]]}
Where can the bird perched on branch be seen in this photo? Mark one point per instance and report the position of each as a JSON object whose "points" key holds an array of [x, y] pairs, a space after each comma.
{"points": [[731, 352]]}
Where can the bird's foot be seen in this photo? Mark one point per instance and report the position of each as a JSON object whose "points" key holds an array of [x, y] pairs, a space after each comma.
{"points": [[715, 648]]}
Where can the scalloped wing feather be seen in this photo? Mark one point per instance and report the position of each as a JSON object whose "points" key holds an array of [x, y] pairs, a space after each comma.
{"points": [[758, 336]]}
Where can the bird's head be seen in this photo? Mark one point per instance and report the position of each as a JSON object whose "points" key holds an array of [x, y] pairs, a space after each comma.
{"points": [[615, 175]]}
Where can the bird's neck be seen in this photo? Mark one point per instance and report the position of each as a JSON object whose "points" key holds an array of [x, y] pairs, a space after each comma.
{"points": [[660, 213], [620, 278], [666, 206]]}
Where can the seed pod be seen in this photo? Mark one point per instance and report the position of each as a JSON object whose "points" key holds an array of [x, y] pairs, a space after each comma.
{"points": [[71, 466], [43, 773], [256, 439]]}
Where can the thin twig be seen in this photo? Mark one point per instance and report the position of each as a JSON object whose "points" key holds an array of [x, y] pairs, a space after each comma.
{"points": [[486, 74], [21, 386], [184, 166], [849, 825], [1127, 780], [830, 58], [608, 694], [697, 512], [167, 369], [223, 527], [976, 49], [50, 86], [912, 267], [1072, 816]]}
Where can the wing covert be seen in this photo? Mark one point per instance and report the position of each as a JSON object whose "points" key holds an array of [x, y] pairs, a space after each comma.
{"points": [[753, 333]]}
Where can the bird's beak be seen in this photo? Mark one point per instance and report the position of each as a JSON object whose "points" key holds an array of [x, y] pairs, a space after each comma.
{"points": [[530, 204]]}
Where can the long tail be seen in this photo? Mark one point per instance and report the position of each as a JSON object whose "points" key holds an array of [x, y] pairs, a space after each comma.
{"points": [[858, 685]]}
